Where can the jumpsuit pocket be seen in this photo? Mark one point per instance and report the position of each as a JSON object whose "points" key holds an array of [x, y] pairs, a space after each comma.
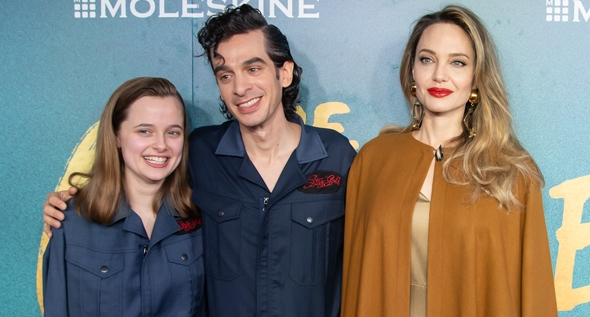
{"points": [[188, 273], [221, 234], [316, 241], [95, 279]]}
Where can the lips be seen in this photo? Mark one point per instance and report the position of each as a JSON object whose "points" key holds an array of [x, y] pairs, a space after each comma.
{"points": [[156, 161], [439, 92], [249, 106], [249, 103]]}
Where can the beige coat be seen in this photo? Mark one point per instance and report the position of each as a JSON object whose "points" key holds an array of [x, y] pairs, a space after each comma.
{"points": [[482, 261]]}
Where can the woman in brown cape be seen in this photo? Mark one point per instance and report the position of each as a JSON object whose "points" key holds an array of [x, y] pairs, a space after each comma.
{"points": [[445, 217]]}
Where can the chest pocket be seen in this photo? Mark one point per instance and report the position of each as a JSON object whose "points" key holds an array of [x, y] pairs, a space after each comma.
{"points": [[221, 234], [317, 230], [95, 280], [187, 274]]}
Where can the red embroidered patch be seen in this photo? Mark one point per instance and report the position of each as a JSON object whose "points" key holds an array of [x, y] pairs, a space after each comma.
{"points": [[322, 182], [188, 225]]}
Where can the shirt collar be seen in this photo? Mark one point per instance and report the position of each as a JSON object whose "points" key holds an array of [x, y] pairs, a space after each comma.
{"points": [[310, 148], [125, 210]]}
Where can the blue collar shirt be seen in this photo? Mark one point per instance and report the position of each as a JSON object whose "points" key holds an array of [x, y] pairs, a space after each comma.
{"points": [[90, 269], [273, 253]]}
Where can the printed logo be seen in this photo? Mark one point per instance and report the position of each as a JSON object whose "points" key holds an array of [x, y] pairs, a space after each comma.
{"points": [[321, 182], [559, 11], [299, 9], [84, 9]]}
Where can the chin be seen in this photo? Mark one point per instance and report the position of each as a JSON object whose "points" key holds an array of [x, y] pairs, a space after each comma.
{"points": [[157, 178]]}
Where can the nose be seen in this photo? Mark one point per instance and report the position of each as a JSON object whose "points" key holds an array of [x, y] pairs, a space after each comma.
{"points": [[160, 144], [241, 84], [440, 73]]}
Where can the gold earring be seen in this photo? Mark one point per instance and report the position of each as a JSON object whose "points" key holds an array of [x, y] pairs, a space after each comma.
{"points": [[468, 119], [474, 96], [417, 115], [417, 109]]}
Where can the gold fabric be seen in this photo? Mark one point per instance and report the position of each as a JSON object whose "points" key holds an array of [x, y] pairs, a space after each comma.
{"points": [[419, 260]]}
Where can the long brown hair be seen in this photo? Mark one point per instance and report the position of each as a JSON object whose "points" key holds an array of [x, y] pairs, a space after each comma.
{"points": [[493, 160], [99, 197]]}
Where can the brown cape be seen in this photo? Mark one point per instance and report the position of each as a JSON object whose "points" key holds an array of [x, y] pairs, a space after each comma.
{"points": [[482, 261]]}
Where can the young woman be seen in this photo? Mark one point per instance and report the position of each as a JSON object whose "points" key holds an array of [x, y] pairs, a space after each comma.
{"points": [[445, 217], [130, 244]]}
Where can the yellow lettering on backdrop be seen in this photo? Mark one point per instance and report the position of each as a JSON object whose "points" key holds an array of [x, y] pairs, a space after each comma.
{"points": [[323, 112], [572, 236]]}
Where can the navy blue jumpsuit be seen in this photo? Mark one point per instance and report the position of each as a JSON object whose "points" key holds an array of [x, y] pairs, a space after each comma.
{"points": [[273, 253], [90, 269]]}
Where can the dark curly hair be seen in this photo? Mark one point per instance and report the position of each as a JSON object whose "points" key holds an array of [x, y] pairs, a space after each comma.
{"points": [[241, 20]]}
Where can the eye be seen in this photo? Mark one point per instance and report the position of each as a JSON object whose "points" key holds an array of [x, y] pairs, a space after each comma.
{"points": [[426, 60], [223, 77], [253, 69], [143, 131], [458, 63], [175, 133]]}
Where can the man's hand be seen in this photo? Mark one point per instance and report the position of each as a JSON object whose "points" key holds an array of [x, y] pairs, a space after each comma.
{"points": [[53, 207]]}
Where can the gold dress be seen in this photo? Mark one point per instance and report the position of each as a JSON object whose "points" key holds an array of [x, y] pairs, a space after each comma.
{"points": [[419, 258]]}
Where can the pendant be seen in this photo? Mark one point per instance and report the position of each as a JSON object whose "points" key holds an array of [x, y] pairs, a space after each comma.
{"points": [[438, 154]]}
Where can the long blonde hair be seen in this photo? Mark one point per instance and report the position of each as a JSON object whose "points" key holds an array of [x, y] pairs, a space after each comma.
{"points": [[99, 198], [492, 161]]}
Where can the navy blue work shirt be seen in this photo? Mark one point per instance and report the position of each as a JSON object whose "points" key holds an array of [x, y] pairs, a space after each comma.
{"points": [[273, 253], [90, 269]]}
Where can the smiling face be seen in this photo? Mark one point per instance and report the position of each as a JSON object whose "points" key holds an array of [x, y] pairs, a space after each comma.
{"points": [[443, 70], [250, 84], [151, 139]]}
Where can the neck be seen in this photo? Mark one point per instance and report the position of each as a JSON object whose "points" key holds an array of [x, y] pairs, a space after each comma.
{"points": [[141, 196], [437, 131], [271, 139]]}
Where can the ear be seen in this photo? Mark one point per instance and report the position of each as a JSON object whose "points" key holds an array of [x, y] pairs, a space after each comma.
{"points": [[286, 73], [118, 142]]}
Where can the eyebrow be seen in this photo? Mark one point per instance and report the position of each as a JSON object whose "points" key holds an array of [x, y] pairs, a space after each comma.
{"points": [[248, 62], [433, 53], [148, 125], [253, 60]]}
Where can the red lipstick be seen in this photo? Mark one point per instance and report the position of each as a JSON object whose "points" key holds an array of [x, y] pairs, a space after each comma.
{"points": [[439, 92]]}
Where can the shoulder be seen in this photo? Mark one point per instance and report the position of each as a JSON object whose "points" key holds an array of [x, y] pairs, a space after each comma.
{"points": [[385, 142], [73, 222], [329, 135], [527, 182], [70, 211], [527, 173], [333, 140], [208, 133]]}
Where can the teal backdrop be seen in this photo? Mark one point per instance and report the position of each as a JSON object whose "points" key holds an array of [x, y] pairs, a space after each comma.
{"points": [[60, 60]]}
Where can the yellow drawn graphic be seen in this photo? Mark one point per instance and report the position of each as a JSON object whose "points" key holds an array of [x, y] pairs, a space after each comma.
{"points": [[573, 236], [323, 112], [80, 161]]}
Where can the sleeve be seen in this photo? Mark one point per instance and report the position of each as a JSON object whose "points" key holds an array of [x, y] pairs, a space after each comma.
{"points": [[538, 290], [54, 276], [351, 274]]}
